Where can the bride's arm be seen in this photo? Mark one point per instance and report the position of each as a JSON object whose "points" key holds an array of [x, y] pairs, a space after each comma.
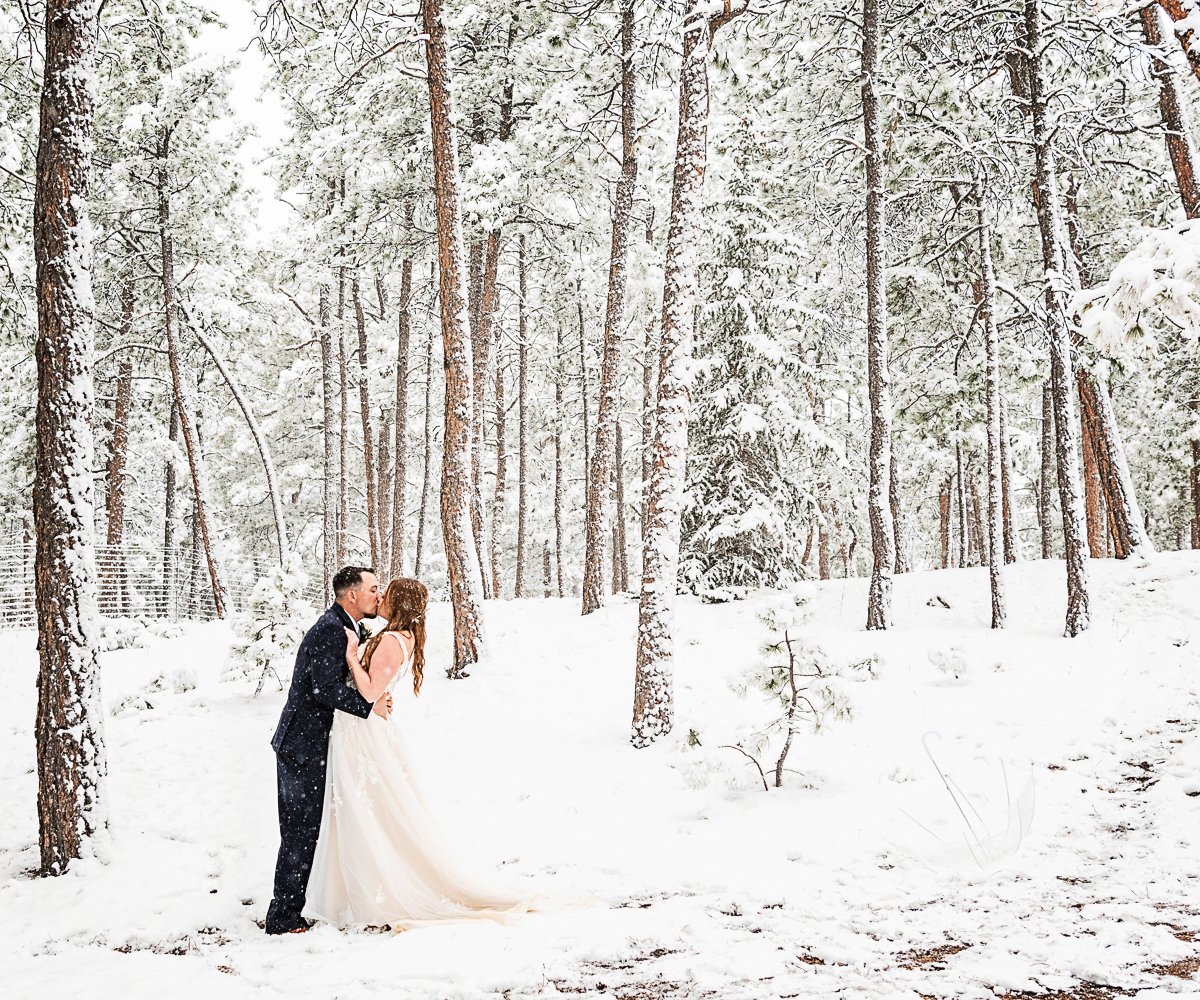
{"points": [[384, 664]]}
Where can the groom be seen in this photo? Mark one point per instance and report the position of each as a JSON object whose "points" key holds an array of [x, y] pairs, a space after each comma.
{"points": [[301, 741]]}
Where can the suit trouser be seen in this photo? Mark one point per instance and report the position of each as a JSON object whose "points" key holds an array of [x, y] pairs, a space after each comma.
{"points": [[301, 799]]}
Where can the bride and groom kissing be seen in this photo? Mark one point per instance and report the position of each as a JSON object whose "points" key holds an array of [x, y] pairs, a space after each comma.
{"points": [[358, 844]]}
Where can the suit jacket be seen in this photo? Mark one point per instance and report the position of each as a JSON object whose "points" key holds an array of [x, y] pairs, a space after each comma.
{"points": [[318, 687]]}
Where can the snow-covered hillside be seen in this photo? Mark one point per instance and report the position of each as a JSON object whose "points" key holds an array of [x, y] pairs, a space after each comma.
{"points": [[1061, 847]]}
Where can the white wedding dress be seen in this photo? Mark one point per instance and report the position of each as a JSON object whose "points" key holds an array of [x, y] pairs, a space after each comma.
{"points": [[381, 858]]}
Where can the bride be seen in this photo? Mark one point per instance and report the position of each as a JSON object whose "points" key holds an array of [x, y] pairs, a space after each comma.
{"points": [[381, 858]]}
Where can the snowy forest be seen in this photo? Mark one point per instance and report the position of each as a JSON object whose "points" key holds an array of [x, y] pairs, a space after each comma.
{"points": [[759, 388]]}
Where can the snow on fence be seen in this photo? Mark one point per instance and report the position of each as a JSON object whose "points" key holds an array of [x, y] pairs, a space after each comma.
{"points": [[133, 582]]}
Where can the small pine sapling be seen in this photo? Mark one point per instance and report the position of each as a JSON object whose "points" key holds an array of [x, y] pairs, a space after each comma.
{"points": [[798, 676], [268, 633]]}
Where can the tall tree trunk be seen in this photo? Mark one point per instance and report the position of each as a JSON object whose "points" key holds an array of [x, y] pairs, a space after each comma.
{"points": [[558, 462], [115, 475], [1093, 492], [960, 496], [1194, 477], [649, 402], [620, 549], [898, 521], [546, 569], [343, 515], [500, 493], [179, 385], [1012, 536], [368, 438], [944, 521], [583, 405], [1054, 251], [481, 347], [1125, 522], [400, 472], [329, 437], [1176, 127], [979, 543], [475, 290], [71, 762], [170, 598], [1101, 431], [995, 463], [115, 493], [1180, 10], [523, 424], [654, 683], [427, 467], [462, 566], [879, 601], [386, 464], [823, 559], [1048, 473], [596, 512]]}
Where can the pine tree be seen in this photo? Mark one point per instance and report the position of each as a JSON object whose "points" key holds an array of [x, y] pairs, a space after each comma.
{"points": [[71, 760], [462, 565]]}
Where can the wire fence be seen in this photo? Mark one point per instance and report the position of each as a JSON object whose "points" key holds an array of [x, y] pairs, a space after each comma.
{"points": [[132, 582]]}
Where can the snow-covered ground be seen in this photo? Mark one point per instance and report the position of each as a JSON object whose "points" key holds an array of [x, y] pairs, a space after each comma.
{"points": [[1075, 858]]}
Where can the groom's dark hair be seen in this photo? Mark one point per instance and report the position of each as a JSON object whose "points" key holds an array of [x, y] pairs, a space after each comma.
{"points": [[347, 578]]}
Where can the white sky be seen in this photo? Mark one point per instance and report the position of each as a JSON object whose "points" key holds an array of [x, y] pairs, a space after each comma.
{"points": [[262, 111]]}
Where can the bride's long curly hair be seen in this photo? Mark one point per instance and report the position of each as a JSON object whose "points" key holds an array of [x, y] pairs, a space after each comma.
{"points": [[406, 598]]}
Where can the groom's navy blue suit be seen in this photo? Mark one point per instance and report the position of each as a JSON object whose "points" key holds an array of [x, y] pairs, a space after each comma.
{"points": [[301, 744]]}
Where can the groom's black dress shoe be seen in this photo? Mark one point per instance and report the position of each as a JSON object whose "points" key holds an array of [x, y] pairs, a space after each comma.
{"points": [[306, 925]]}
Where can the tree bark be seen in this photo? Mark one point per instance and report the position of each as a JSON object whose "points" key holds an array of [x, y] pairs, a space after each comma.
{"points": [[879, 601], [1054, 251], [979, 545], [386, 464], [1047, 473], [620, 550], [995, 463], [500, 493], [463, 569], [343, 515], [1100, 429], [179, 385], [71, 762], [1012, 536], [558, 463], [427, 466], [898, 521], [1126, 526], [1178, 11], [400, 460], [368, 438], [523, 424], [115, 494], [583, 407], [607, 424], [481, 348], [1176, 127], [1097, 524], [944, 521], [649, 402], [170, 599], [960, 496], [329, 440], [1194, 478], [823, 559], [654, 683]]}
